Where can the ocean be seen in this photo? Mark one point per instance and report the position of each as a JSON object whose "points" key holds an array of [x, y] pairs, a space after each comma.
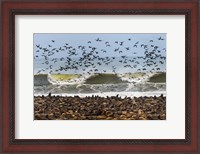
{"points": [[125, 86], [99, 78]]}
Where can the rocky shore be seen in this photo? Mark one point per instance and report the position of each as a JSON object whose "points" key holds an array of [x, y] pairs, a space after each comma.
{"points": [[99, 108]]}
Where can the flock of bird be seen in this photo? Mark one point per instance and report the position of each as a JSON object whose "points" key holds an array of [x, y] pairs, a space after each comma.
{"points": [[90, 58]]}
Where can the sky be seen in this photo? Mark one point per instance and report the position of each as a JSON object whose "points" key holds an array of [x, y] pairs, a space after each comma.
{"points": [[74, 40], [106, 45]]}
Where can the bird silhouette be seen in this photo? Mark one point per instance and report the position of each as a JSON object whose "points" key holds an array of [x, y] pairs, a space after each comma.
{"points": [[160, 38]]}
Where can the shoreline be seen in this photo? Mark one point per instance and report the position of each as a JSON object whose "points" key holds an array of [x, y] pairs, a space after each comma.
{"points": [[109, 94]]}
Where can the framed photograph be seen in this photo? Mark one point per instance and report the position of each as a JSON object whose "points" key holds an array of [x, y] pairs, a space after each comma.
{"points": [[100, 77]]}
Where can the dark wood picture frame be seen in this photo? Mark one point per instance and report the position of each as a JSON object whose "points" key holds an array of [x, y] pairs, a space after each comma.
{"points": [[7, 81]]}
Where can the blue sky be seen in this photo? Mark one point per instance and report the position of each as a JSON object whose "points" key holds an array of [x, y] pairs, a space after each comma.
{"points": [[74, 40], [60, 46]]}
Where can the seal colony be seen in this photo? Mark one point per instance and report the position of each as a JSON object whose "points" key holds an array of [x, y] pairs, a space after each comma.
{"points": [[99, 108]]}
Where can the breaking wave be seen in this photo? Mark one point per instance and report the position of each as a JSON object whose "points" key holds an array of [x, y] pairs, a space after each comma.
{"points": [[62, 79], [99, 83]]}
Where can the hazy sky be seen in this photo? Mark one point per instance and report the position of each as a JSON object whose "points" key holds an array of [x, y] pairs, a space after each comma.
{"points": [[106, 45], [74, 40]]}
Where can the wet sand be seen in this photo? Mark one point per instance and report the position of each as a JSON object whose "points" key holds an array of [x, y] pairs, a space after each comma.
{"points": [[99, 108]]}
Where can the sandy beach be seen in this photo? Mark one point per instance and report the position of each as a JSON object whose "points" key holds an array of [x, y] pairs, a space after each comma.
{"points": [[52, 107]]}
